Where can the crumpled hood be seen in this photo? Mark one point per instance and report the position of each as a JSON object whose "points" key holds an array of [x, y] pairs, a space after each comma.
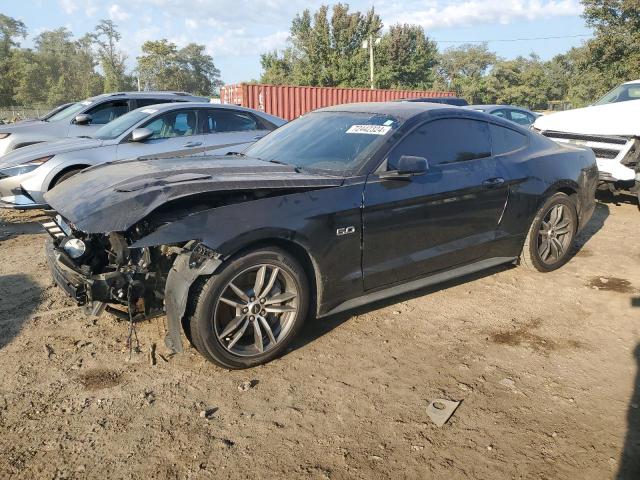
{"points": [[114, 196], [610, 119], [44, 149]]}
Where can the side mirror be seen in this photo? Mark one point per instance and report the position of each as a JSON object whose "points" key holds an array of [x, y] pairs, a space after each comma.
{"points": [[409, 165], [141, 134], [83, 119]]}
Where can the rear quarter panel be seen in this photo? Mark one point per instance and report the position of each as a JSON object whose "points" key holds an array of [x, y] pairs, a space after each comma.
{"points": [[537, 173]]}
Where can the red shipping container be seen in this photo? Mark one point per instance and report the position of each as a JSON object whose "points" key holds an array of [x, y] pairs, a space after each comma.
{"points": [[289, 102]]}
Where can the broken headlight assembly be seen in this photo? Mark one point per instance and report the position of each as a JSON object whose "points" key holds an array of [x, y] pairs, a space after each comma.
{"points": [[75, 248]]}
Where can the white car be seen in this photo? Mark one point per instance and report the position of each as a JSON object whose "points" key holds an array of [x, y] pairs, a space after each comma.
{"points": [[611, 127]]}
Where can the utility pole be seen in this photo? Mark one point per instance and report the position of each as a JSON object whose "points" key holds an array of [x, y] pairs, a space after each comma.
{"points": [[369, 44]]}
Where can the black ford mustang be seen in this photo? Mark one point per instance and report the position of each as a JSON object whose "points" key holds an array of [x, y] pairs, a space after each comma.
{"points": [[344, 206]]}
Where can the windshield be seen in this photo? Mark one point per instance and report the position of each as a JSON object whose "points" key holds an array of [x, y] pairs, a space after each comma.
{"points": [[117, 127], [58, 109], [337, 142], [70, 111], [622, 93]]}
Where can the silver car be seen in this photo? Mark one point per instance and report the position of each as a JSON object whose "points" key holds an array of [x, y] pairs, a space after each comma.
{"points": [[519, 115], [83, 118], [186, 129]]}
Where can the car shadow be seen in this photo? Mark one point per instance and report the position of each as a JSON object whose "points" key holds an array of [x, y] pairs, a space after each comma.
{"points": [[14, 223], [619, 198], [19, 298], [595, 224], [630, 457], [318, 327]]}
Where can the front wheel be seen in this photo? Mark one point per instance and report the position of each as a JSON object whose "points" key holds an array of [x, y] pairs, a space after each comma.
{"points": [[249, 312], [550, 238]]}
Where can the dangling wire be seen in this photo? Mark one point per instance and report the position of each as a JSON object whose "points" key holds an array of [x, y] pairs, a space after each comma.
{"points": [[132, 329]]}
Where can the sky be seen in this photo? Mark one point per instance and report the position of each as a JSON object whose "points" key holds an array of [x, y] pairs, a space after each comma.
{"points": [[236, 32]]}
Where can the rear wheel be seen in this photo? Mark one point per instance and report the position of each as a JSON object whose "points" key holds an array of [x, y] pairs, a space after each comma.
{"points": [[249, 312], [550, 238]]}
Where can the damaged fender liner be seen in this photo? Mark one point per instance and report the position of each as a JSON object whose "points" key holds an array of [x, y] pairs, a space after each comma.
{"points": [[186, 269]]}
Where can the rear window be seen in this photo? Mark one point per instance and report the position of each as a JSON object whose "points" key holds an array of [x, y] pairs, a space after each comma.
{"points": [[223, 120], [505, 140]]}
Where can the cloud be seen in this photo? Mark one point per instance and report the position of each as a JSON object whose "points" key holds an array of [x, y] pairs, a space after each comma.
{"points": [[90, 8], [232, 11], [69, 6], [190, 23], [240, 43], [117, 13], [436, 14]]}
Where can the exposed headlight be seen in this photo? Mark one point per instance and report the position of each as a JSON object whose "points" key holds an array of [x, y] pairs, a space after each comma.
{"points": [[74, 247], [4, 135], [25, 167]]}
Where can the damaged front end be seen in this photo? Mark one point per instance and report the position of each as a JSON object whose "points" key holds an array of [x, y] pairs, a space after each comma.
{"points": [[102, 271]]}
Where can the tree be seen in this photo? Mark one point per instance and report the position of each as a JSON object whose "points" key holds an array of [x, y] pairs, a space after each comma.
{"points": [[11, 30], [113, 64], [200, 75], [463, 70], [524, 81], [158, 65], [324, 51], [59, 69], [163, 67], [277, 70], [613, 55], [406, 58]]}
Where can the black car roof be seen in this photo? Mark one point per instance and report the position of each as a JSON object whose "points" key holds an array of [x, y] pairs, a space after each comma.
{"points": [[396, 109], [409, 110]]}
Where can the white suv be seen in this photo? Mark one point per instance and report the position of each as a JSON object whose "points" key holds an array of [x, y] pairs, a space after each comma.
{"points": [[611, 127]]}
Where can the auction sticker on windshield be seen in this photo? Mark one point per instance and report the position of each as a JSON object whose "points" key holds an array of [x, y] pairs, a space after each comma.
{"points": [[369, 129]]}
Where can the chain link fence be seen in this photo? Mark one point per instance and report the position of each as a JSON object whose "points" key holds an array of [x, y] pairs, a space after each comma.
{"points": [[15, 113]]}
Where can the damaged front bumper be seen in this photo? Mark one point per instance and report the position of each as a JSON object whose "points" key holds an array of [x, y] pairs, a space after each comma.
{"points": [[84, 289], [95, 291]]}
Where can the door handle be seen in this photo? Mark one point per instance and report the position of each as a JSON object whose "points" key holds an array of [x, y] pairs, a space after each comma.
{"points": [[192, 144], [258, 137], [493, 182]]}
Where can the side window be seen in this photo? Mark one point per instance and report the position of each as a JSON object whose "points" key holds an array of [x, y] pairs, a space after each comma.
{"points": [[500, 113], [445, 141], [181, 123], [522, 118], [220, 120], [107, 111], [145, 102], [505, 140]]}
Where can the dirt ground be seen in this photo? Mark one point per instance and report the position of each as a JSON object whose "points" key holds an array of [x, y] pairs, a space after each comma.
{"points": [[546, 367]]}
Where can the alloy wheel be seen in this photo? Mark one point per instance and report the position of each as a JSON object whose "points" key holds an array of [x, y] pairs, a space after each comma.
{"points": [[256, 310], [555, 234]]}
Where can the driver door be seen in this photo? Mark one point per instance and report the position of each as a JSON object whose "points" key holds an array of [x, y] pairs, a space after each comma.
{"points": [[445, 217], [175, 134]]}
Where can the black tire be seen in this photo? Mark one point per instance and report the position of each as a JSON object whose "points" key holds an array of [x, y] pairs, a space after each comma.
{"points": [[534, 255], [211, 316], [65, 176]]}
